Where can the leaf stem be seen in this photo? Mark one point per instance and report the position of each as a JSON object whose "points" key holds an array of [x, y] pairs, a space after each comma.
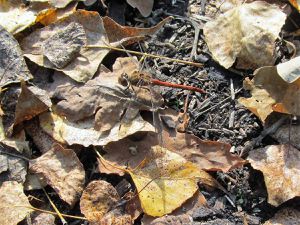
{"points": [[146, 55]]}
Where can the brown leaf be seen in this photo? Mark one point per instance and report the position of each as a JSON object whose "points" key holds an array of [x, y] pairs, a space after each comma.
{"points": [[271, 93], [38, 218], [207, 155], [145, 7], [63, 172], [247, 33], [98, 203], [106, 98], [12, 198], [13, 168], [123, 34], [169, 220], [285, 216], [83, 132], [84, 66], [65, 45], [280, 166], [55, 3], [288, 134], [12, 64], [42, 140], [31, 102]]}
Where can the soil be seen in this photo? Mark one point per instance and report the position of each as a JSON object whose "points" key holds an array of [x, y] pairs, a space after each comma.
{"points": [[213, 116]]}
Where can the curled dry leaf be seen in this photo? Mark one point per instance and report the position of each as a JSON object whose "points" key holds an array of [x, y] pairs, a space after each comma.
{"points": [[83, 132], [271, 92], [15, 17], [98, 204], [13, 203], [285, 216], [280, 167], [246, 33], [145, 7], [161, 176], [12, 64], [63, 172], [118, 34], [82, 67]]}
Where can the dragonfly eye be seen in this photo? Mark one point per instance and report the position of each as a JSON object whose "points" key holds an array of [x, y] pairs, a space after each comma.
{"points": [[123, 79]]}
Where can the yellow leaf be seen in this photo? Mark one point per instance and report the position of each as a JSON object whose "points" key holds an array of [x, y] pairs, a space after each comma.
{"points": [[295, 3], [165, 180]]}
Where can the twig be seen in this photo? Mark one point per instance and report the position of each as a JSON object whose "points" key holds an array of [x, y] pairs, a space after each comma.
{"points": [[256, 141], [215, 106], [14, 155], [146, 55], [53, 213], [62, 219]]}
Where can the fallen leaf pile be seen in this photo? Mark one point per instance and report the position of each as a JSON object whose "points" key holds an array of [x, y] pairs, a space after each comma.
{"points": [[49, 124]]}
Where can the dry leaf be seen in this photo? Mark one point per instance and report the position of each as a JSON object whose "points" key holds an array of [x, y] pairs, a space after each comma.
{"points": [[11, 198], [63, 172], [83, 132], [280, 167], [54, 14], [247, 33], [295, 3], [105, 98], [31, 102], [145, 7], [289, 71], [165, 181], [18, 141], [161, 176], [82, 67], [169, 220], [271, 93], [14, 168], [34, 182], [288, 134], [183, 214], [15, 16], [285, 216], [98, 198], [55, 3], [42, 140], [39, 218], [115, 217], [125, 35], [65, 45], [12, 64], [207, 155]]}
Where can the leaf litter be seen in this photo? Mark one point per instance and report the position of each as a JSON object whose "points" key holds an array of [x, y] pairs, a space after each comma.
{"points": [[101, 108]]}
